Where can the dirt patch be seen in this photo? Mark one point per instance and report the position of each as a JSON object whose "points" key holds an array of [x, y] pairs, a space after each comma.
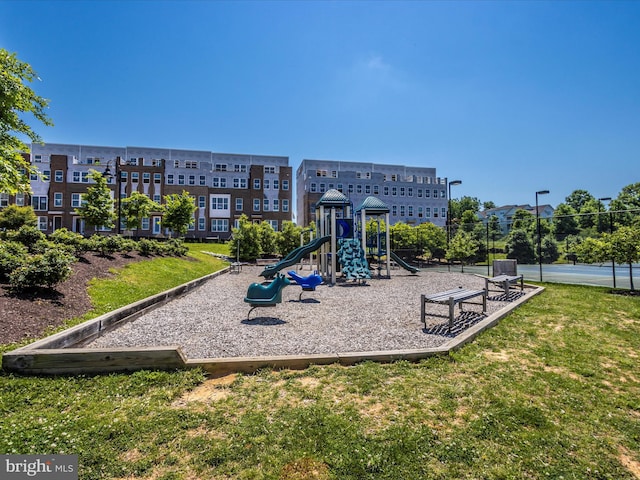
{"points": [[209, 391], [633, 466], [30, 314]]}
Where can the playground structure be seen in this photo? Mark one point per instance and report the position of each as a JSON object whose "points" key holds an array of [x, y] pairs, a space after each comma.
{"points": [[341, 239], [307, 284]]}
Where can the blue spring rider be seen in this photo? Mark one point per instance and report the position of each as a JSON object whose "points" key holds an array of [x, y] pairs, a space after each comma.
{"points": [[308, 284], [259, 295]]}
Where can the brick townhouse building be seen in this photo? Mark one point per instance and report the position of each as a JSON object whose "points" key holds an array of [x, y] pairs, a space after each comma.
{"points": [[224, 185]]}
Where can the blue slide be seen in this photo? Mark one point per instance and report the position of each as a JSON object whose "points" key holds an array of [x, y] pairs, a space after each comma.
{"points": [[295, 256]]}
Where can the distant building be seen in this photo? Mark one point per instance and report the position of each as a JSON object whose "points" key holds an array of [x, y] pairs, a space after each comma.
{"points": [[413, 194], [223, 185], [505, 214]]}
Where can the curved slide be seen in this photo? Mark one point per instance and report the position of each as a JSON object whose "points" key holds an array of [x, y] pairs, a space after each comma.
{"points": [[403, 264], [295, 256]]}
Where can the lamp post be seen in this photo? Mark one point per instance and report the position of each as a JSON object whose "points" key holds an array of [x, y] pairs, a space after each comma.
{"points": [[107, 173], [613, 261], [540, 192]]}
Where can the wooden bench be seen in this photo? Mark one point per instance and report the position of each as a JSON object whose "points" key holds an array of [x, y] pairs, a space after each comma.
{"points": [[451, 297], [505, 281]]}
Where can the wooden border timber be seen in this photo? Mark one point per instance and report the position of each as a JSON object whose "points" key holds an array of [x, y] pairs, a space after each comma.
{"points": [[59, 353]]}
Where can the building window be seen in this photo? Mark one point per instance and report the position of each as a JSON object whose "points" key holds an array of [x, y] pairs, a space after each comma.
{"points": [[265, 205], [285, 205], [276, 205], [266, 184], [358, 188], [157, 178], [394, 210], [443, 212], [42, 223], [76, 200], [350, 188], [256, 184], [39, 202], [156, 198], [394, 191], [181, 178], [221, 167], [202, 201], [376, 190], [256, 204], [202, 180], [192, 179], [323, 188], [135, 176], [420, 212], [321, 173], [427, 193], [145, 223], [435, 193], [190, 164], [410, 191], [37, 158], [170, 179], [442, 195], [274, 224], [239, 168], [202, 224], [57, 199], [285, 184], [19, 199], [239, 204], [419, 193], [314, 188], [410, 208], [402, 191], [146, 177], [58, 176], [339, 187], [367, 189], [76, 177], [385, 191], [219, 225], [402, 211], [269, 169], [276, 184], [427, 212], [219, 203]]}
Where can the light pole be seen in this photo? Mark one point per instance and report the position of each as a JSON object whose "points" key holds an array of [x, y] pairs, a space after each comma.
{"points": [[450, 184], [107, 173], [613, 261], [541, 192]]}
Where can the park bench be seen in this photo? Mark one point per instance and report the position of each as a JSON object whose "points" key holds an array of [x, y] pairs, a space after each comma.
{"points": [[505, 281], [452, 297]]}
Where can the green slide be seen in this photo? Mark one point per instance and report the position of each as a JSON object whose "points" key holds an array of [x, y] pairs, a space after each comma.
{"points": [[295, 256], [403, 264]]}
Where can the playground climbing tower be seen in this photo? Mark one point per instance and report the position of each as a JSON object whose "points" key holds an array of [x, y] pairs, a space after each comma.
{"points": [[333, 217], [373, 206]]}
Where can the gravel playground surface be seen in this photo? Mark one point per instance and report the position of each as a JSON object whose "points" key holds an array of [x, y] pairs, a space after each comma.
{"points": [[383, 314]]}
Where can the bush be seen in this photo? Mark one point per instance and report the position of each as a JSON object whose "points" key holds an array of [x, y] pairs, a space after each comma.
{"points": [[146, 247], [12, 256], [42, 270], [77, 242], [176, 248], [27, 235], [14, 217]]}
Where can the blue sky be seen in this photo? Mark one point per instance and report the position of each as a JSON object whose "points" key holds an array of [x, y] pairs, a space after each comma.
{"points": [[509, 97]]}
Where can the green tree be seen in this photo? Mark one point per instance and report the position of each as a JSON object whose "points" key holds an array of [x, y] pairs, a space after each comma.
{"points": [[402, 236], [469, 220], [178, 212], [495, 231], [268, 238], [462, 247], [578, 199], [488, 205], [625, 247], [245, 240], [16, 100], [288, 239], [97, 204], [136, 207], [433, 240], [564, 221], [549, 249], [627, 202], [13, 217], [520, 247], [523, 220], [458, 207]]}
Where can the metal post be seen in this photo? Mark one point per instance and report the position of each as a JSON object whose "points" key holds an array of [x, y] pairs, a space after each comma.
{"points": [[541, 192], [448, 221], [613, 260]]}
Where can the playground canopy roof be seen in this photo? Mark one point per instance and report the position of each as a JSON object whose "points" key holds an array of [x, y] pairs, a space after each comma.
{"points": [[333, 198], [373, 206]]}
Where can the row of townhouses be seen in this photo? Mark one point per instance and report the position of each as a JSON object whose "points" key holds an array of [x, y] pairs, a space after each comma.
{"points": [[223, 186]]}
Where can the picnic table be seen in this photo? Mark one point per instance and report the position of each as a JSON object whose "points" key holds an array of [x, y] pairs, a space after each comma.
{"points": [[505, 281]]}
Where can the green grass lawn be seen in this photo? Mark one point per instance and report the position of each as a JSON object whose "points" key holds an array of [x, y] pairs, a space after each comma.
{"points": [[552, 392]]}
